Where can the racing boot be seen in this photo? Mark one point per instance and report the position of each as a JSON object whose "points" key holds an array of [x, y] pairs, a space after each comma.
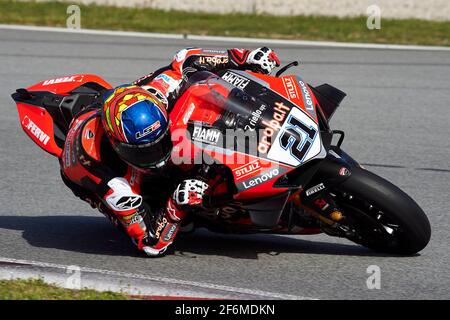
{"points": [[163, 227], [161, 230]]}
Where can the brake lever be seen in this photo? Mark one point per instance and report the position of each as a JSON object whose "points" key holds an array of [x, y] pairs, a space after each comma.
{"points": [[288, 66]]}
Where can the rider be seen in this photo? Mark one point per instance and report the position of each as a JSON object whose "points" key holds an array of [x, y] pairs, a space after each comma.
{"points": [[111, 147]]}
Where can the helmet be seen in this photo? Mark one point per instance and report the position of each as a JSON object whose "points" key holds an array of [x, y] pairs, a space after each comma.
{"points": [[137, 125]]}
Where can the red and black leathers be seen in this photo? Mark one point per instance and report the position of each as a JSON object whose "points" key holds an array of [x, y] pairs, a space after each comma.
{"points": [[95, 173]]}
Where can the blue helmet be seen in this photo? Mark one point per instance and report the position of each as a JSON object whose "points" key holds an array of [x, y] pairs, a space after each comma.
{"points": [[137, 125]]}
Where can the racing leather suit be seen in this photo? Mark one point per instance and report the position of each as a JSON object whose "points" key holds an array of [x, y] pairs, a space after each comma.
{"points": [[95, 173]]}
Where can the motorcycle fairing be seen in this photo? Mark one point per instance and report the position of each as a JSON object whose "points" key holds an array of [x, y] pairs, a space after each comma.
{"points": [[38, 125], [47, 108], [207, 108], [291, 87], [298, 140], [298, 100], [66, 84]]}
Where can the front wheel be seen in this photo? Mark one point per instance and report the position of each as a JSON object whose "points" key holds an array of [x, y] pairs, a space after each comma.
{"points": [[380, 215]]}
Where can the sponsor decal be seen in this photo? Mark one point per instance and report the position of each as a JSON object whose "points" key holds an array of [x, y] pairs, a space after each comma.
{"points": [[68, 150], [171, 211], [213, 60], [181, 55], [160, 227], [254, 118], [207, 135], [128, 203], [188, 113], [35, 130], [84, 161], [306, 97], [236, 80], [142, 79], [247, 170], [156, 125], [134, 218], [273, 126], [170, 232], [164, 85], [290, 87], [88, 134], [122, 198], [63, 80], [344, 172], [213, 51], [315, 189], [167, 82], [261, 178], [164, 77]]}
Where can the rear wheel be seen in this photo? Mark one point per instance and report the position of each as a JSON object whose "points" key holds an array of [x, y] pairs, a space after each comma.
{"points": [[380, 216]]}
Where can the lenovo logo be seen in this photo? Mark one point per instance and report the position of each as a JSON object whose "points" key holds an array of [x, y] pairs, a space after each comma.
{"points": [[308, 100], [261, 179]]}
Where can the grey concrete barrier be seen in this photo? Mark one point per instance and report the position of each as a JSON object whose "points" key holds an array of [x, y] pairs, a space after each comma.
{"points": [[395, 9]]}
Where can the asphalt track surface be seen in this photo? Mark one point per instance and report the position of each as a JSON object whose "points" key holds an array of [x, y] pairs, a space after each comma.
{"points": [[396, 118]]}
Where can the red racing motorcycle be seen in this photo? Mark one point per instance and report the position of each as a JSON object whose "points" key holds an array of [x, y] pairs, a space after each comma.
{"points": [[265, 144]]}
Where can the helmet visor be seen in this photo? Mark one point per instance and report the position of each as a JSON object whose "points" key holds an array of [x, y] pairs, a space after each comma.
{"points": [[147, 155]]}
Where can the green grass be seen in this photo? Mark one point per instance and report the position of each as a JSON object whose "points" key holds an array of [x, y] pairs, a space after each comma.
{"points": [[36, 289], [306, 28]]}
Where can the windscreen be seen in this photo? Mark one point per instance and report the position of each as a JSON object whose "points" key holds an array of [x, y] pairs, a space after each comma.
{"points": [[265, 123]]}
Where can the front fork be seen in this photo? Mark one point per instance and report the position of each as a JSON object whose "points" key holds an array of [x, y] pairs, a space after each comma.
{"points": [[316, 197]]}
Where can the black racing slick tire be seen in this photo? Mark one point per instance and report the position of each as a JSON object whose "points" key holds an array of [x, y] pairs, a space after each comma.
{"points": [[386, 219]]}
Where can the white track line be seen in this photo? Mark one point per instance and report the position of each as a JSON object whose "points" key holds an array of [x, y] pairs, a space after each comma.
{"points": [[227, 39], [203, 288]]}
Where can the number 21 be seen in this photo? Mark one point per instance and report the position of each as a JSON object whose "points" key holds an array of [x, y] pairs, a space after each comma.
{"points": [[292, 139]]}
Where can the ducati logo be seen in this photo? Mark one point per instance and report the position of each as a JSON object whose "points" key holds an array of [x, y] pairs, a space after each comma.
{"points": [[344, 172], [89, 134]]}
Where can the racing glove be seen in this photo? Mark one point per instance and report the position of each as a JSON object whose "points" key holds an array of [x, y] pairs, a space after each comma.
{"points": [[262, 60], [189, 193], [163, 229]]}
